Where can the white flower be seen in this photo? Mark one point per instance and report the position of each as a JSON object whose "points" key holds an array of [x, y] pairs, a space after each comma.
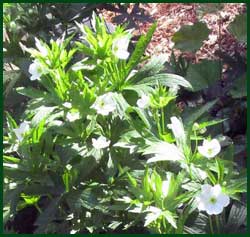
{"points": [[73, 116], [68, 167], [210, 149], [143, 102], [42, 49], [178, 131], [104, 104], [23, 128], [120, 47], [211, 199], [35, 70], [67, 105], [73, 231], [100, 143]]}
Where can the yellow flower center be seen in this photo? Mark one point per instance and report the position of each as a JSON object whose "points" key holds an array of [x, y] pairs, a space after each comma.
{"points": [[213, 200]]}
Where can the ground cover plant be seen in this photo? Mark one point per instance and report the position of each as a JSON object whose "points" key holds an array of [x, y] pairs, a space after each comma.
{"points": [[101, 146]]}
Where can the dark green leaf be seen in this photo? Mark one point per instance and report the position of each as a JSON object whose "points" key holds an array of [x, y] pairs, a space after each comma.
{"points": [[190, 38], [239, 89], [239, 27], [204, 74]]}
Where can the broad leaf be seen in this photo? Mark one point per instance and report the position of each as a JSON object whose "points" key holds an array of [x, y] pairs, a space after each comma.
{"points": [[239, 88], [190, 38], [204, 74], [239, 27]]}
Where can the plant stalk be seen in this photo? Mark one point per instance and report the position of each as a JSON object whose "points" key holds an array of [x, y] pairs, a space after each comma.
{"points": [[211, 225]]}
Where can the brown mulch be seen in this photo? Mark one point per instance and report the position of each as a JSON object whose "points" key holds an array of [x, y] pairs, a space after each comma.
{"points": [[170, 18]]}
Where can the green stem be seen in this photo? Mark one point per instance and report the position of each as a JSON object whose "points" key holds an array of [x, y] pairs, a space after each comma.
{"points": [[38, 208], [190, 171], [217, 223], [163, 121], [156, 117], [196, 145], [211, 225]]}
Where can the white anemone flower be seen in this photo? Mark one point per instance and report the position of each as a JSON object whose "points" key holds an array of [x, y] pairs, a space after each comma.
{"points": [[36, 70], [143, 102], [210, 149], [42, 49], [211, 199], [23, 128], [73, 116], [120, 47], [100, 143], [104, 104]]}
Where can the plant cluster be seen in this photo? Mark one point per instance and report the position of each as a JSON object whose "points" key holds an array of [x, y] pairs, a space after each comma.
{"points": [[103, 147]]}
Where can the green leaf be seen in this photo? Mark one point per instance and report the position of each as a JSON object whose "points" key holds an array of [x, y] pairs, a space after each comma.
{"points": [[10, 78], [199, 225], [155, 65], [85, 49], [164, 152], [41, 113], [204, 74], [220, 170], [132, 180], [239, 88], [190, 38], [208, 8], [166, 79], [140, 49], [151, 217], [210, 123], [12, 197], [79, 199], [10, 121], [47, 216], [10, 159], [237, 186], [211, 177], [237, 216], [239, 27], [170, 218], [31, 92], [192, 115]]}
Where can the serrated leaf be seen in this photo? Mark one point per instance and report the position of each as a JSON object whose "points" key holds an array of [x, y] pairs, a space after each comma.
{"points": [[170, 218], [190, 38], [140, 49], [166, 79]]}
